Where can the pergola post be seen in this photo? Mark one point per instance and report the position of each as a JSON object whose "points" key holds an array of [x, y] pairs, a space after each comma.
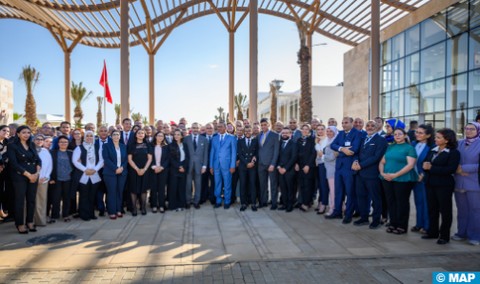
{"points": [[151, 88], [375, 59], [124, 60], [310, 62], [231, 77], [68, 108], [252, 109]]}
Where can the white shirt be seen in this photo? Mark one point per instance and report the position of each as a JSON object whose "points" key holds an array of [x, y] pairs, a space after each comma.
{"points": [[119, 157], [182, 152], [47, 164], [78, 164]]}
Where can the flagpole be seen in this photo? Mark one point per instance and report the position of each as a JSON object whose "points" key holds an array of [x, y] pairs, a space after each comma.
{"points": [[105, 107]]}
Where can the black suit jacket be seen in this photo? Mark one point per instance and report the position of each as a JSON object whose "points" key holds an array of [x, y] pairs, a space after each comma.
{"points": [[306, 153], [287, 156], [370, 154], [443, 168], [21, 160], [246, 154], [174, 158], [131, 137]]}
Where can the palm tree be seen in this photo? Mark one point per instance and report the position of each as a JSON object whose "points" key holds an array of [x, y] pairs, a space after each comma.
{"points": [[239, 103], [99, 111], [117, 114], [273, 105], [221, 114], [304, 59], [79, 95], [137, 117], [30, 77], [145, 121]]}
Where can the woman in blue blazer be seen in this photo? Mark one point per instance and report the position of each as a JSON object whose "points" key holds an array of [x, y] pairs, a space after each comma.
{"points": [[115, 174], [423, 144], [159, 174]]}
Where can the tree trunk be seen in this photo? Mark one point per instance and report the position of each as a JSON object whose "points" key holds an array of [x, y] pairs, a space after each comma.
{"points": [[99, 112], [273, 105], [77, 112], [306, 90], [31, 112]]}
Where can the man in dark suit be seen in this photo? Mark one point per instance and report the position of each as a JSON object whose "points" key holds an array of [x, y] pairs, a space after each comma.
{"points": [[306, 155], [247, 155], [65, 128], [367, 183], [268, 147], [208, 183], [101, 140], [198, 151], [347, 143], [127, 136], [286, 168]]}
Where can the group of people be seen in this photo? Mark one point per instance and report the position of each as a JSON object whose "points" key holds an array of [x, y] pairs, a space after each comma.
{"points": [[364, 169]]}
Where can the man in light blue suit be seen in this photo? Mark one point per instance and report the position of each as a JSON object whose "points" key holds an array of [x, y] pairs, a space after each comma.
{"points": [[222, 164]]}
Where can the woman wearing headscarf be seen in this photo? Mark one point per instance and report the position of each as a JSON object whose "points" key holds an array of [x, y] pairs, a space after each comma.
{"points": [[88, 160], [329, 158], [25, 169], [320, 144], [4, 134], [390, 125], [398, 177], [440, 167], [467, 188], [40, 216]]}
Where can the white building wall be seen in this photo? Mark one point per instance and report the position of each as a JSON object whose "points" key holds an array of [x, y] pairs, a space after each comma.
{"points": [[6, 101]]}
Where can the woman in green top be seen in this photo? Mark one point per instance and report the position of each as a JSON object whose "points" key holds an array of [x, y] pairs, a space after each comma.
{"points": [[398, 178]]}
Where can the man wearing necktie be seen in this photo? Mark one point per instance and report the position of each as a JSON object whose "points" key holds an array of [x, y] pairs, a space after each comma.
{"points": [[286, 168], [347, 144], [367, 183], [247, 169], [198, 151], [208, 183], [222, 164], [268, 148]]}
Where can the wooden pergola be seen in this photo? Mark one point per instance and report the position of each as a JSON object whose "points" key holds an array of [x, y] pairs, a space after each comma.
{"points": [[126, 23]]}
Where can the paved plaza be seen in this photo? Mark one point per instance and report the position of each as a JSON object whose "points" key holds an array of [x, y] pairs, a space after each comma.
{"points": [[225, 246]]}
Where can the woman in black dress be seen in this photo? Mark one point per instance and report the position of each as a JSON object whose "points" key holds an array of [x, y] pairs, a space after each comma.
{"points": [[178, 153], [139, 159]]}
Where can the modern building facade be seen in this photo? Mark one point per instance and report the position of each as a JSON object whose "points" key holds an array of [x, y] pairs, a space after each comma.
{"points": [[6, 101], [430, 67], [327, 102]]}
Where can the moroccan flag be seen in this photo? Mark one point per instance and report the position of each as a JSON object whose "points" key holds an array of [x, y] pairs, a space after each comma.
{"points": [[104, 83]]}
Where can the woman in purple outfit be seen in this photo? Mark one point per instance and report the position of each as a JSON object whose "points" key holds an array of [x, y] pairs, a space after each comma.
{"points": [[467, 188]]}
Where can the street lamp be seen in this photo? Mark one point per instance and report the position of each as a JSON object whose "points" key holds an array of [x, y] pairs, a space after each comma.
{"points": [[275, 86]]}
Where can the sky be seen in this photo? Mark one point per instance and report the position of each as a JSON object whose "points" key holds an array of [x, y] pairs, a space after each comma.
{"points": [[191, 67]]}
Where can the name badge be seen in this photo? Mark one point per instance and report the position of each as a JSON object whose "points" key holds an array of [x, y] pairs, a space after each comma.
{"points": [[347, 143]]}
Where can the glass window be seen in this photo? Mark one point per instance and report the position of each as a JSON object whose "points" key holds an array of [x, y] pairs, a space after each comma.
{"points": [[456, 120], [397, 74], [386, 78], [433, 30], [412, 39], [457, 54], [412, 67], [398, 46], [474, 13], [437, 120], [457, 92], [385, 51], [474, 89], [432, 62], [385, 104], [457, 18], [412, 100], [397, 103], [475, 49], [432, 96]]}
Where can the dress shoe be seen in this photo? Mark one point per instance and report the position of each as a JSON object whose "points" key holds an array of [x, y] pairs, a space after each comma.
{"points": [[120, 215], [442, 241], [375, 225], [32, 228], [187, 206], [273, 207], [196, 206], [254, 208], [428, 237], [226, 206], [282, 208], [356, 214], [361, 222], [217, 205], [154, 210], [333, 216], [22, 231], [102, 214], [243, 207], [85, 219], [289, 209], [144, 212], [94, 217], [320, 212], [347, 220], [113, 217]]}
